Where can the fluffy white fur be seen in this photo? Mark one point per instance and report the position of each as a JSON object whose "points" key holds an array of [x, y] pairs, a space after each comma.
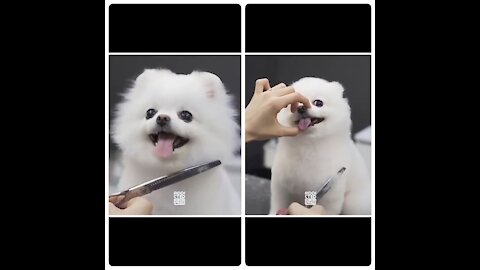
{"points": [[213, 134], [304, 162]]}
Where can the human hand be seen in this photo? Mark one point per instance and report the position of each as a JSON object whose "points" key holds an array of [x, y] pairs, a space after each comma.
{"points": [[261, 113], [135, 206], [298, 209]]}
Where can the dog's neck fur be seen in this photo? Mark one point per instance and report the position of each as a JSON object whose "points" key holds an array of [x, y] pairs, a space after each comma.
{"points": [[340, 135], [303, 144]]}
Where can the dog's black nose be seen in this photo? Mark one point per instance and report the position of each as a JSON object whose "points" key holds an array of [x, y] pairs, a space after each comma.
{"points": [[163, 120], [301, 109]]}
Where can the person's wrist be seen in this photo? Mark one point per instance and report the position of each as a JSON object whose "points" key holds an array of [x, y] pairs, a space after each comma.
{"points": [[249, 136]]}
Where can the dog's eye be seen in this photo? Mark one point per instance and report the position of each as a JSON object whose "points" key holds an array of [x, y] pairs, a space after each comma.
{"points": [[150, 113], [318, 103], [185, 116]]}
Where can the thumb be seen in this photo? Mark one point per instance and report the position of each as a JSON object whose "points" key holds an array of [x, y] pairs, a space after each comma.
{"points": [[113, 210], [287, 131], [139, 206], [298, 209]]}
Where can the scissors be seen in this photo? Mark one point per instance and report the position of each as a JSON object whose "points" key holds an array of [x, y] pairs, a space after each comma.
{"points": [[328, 185], [323, 190], [121, 198]]}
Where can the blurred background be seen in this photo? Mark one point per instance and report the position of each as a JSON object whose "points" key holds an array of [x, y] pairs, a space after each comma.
{"points": [[352, 71], [124, 69]]}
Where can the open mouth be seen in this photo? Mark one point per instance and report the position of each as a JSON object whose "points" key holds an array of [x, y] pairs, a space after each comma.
{"points": [[306, 122], [165, 143]]}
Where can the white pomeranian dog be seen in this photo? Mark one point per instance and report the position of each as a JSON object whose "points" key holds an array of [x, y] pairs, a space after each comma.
{"points": [[323, 146], [168, 122]]}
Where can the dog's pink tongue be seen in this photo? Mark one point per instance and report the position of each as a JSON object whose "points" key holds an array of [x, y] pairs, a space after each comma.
{"points": [[164, 147], [304, 123]]}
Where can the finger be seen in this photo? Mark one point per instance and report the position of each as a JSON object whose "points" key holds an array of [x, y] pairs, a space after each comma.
{"points": [[294, 107], [113, 210], [293, 98], [284, 91], [287, 131], [138, 206], [278, 86], [260, 85], [298, 209], [307, 102], [318, 210], [116, 199]]}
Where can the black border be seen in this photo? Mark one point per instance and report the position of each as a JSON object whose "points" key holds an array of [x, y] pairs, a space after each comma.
{"points": [[308, 241], [308, 28], [149, 28], [174, 241]]}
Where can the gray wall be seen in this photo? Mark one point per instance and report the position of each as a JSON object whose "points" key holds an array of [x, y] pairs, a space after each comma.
{"points": [[353, 72], [124, 69]]}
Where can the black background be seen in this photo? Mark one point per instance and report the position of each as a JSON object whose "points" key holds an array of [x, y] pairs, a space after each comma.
{"points": [[175, 28], [308, 28], [308, 241], [175, 241]]}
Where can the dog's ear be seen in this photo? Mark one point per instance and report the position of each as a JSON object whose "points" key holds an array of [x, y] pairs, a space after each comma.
{"points": [[144, 77], [212, 83], [148, 74], [337, 87]]}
